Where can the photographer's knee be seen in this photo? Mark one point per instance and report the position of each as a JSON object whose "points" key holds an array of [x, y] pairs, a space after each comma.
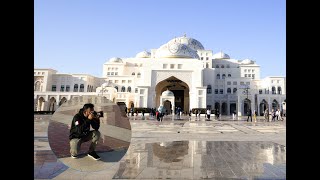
{"points": [[96, 134]]}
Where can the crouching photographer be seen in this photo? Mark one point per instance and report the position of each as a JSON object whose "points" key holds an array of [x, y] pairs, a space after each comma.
{"points": [[80, 130]]}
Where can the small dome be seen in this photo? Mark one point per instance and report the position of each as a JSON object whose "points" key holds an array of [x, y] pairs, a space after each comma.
{"points": [[167, 93], [247, 61], [143, 54], [221, 55], [176, 50], [115, 60]]}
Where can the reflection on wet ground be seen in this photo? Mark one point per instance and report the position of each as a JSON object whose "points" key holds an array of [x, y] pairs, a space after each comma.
{"points": [[202, 149], [203, 159]]}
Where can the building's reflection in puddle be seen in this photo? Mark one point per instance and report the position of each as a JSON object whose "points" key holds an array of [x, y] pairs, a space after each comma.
{"points": [[204, 159]]}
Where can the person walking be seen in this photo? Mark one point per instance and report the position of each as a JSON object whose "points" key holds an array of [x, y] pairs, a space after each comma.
{"points": [[249, 113], [208, 114]]}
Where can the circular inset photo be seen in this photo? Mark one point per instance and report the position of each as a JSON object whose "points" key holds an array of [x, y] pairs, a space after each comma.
{"points": [[89, 133]]}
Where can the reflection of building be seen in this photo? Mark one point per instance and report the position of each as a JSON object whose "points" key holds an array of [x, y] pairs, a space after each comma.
{"points": [[197, 77]]}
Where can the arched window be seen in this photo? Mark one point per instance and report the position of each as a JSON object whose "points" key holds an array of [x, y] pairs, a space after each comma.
{"points": [[217, 66], [67, 88], [229, 75], [223, 76], [273, 90], [88, 88], [139, 75], [279, 90], [228, 66], [129, 89], [116, 87], [218, 76], [54, 88], [123, 89], [75, 88], [209, 89], [260, 91], [234, 90], [133, 74], [222, 66], [82, 88], [229, 90], [37, 86], [62, 88]]}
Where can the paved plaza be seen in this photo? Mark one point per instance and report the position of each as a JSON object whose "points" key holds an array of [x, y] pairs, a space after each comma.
{"points": [[178, 149]]}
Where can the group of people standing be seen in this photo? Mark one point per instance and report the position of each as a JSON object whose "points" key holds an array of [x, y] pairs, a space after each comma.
{"points": [[275, 114]]}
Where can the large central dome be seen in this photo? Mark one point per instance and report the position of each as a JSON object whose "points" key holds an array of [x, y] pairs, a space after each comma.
{"points": [[190, 42]]}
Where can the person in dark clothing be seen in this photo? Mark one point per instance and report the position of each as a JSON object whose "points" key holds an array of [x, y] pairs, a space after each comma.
{"points": [[249, 115], [80, 131]]}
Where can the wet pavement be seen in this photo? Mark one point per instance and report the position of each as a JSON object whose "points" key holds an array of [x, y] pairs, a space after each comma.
{"points": [[181, 149]]}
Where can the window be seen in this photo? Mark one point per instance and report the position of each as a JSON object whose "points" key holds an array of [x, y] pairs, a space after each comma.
{"points": [[247, 83], [171, 66], [229, 75], [123, 89], [112, 68], [216, 91], [62, 88], [223, 76], [42, 73], [229, 90], [207, 65], [116, 69], [249, 75], [228, 66], [201, 58], [135, 64], [110, 81], [75, 88], [116, 81], [217, 66], [245, 75], [116, 73], [138, 75], [278, 81], [133, 74], [88, 88], [165, 66], [108, 73], [209, 89], [207, 58], [234, 90], [253, 76], [179, 66], [221, 91], [123, 81], [229, 83], [206, 54], [54, 88], [129, 89], [241, 83], [109, 68], [260, 91], [234, 82], [279, 90], [249, 70], [81, 88], [37, 86], [245, 70], [38, 73], [271, 81], [112, 73], [136, 90], [273, 90], [116, 87], [200, 92], [222, 66], [253, 70], [129, 81], [141, 91], [218, 76], [67, 88]]}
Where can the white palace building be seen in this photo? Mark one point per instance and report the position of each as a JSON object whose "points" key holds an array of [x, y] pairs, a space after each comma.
{"points": [[180, 73]]}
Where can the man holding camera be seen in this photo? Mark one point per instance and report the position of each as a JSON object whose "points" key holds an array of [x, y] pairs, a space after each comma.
{"points": [[80, 131]]}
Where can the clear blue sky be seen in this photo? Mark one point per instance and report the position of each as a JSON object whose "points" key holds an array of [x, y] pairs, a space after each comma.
{"points": [[78, 36]]}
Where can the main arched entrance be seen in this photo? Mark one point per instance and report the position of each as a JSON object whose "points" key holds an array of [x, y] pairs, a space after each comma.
{"points": [[180, 90]]}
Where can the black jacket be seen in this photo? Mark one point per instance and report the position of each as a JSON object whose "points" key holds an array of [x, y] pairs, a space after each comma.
{"points": [[80, 125]]}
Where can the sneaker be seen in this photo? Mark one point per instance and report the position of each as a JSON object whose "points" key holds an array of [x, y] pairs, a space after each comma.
{"points": [[94, 155], [74, 156]]}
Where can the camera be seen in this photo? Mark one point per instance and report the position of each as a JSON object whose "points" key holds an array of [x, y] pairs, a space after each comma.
{"points": [[98, 114]]}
